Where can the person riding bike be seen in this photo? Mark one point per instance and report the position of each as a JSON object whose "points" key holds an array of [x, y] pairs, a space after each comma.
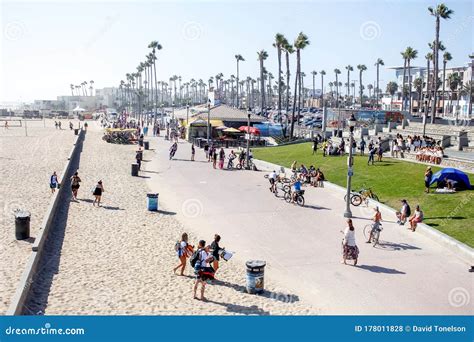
{"points": [[232, 156], [376, 225], [272, 178], [296, 189], [173, 150], [242, 158]]}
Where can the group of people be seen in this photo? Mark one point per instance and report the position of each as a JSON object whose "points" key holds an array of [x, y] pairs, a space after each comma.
{"points": [[97, 190], [204, 261], [312, 175], [218, 156]]}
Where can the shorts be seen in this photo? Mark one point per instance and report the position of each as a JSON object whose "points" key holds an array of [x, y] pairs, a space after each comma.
{"points": [[53, 186], [75, 187], [271, 180]]}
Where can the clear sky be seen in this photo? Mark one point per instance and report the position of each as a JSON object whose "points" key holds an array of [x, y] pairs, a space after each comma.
{"points": [[47, 45]]}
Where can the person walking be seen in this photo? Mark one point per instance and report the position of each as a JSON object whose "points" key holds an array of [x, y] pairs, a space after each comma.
{"points": [[193, 152], [428, 177], [375, 226], [214, 157], [221, 158], [350, 251], [138, 158], [216, 249], [315, 146], [379, 152], [206, 151], [53, 182], [202, 268], [362, 146], [75, 185], [6, 125], [98, 190], [183, 249], [59, 125], [371, 155]]}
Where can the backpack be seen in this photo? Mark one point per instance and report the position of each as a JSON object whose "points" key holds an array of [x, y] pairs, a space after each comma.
{"points": [[195, 258], [177, 246], [408, 211]]}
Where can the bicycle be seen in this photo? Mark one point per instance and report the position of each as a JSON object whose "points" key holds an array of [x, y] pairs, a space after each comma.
{"points": [[375, 232], [368, 193], [230, 164], [355, 198], [299, 198], [241, 166]]}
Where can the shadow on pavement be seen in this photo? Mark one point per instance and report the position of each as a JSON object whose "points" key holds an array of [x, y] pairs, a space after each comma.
{"points": [[391, 246], [164, 212], [380, 269]]}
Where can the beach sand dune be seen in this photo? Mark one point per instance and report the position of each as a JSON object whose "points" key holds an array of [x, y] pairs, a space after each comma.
{"points": [[26, 163], [118, 259]]}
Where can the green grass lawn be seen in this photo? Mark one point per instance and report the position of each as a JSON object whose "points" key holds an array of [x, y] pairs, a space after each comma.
{"points": [[392, 180]]}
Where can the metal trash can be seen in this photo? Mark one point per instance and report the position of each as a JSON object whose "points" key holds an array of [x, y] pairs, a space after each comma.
{"points": [[76, 131], [135, 170], [147, 145], [22, 224], [152, 202], [255, 272]]}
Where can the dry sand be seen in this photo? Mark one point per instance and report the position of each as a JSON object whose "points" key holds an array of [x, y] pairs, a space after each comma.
{"points": [[118, 259], [26, 163]]}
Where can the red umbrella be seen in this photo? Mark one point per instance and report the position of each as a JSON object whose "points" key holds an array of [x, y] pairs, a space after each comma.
{"points": [[251, 130]]}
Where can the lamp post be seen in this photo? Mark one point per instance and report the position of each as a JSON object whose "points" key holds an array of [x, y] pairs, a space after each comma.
{"points": [[247, 156], [162, 114], [208, 120], [351, 123], [187, 114]]}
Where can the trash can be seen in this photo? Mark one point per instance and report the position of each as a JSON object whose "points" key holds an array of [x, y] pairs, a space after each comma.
{"points": [[76, 131], [147, 145], [135, 170], [152, 202], [22, 224], [255, 271]]}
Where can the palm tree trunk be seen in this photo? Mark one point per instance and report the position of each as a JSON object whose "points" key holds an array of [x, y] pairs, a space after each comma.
{"points": [[322, 90], [287, 57], [294, 97], [428, 90], [409, 86], [378, 89], [403, 83], [444, 86], [237, 95], [262, 86], [360, 88], [435, 74]]}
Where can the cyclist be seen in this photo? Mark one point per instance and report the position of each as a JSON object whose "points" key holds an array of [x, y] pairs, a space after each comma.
{"points": [[173, 150], [272, 178], [242, 158], [296, 189], [376, 225], [232, 156]]}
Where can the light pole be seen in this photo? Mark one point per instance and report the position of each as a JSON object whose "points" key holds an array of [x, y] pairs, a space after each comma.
{"points": [[208, 120], [249, 111], [187, 119], [351, 123], [161, 114]]}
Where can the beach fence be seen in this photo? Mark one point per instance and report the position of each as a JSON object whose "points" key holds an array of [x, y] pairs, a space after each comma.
{"points": [[21, 296]]}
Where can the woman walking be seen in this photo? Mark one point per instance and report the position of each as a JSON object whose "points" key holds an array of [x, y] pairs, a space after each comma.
{"points": [[54, 182], [201, 269], [99, 189], [215, 252], [221, 158], [428, 177], [193, 152], [350, 249], [75, 180], [183, 249], [214, 157]]}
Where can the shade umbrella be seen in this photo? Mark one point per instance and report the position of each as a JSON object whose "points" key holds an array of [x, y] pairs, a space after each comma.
{"points": [[231, 130], [221, 127], [251, 130]]}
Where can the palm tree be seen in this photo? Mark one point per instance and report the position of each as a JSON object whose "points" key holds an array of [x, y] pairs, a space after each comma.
{"points": [[404, 78], [361, 68], [238, 59], [91, 86], [370, 87], [322, 73], [454, 80], [353, 86], [300, 43], [337, 72], [72, 89], [392, 88], [469, 89], [378, 64], [280, 41], [446, 58], [314, 73], [440, 12], [262, 55], [349, 68], [154, 45], [410, 54], [418, 84], [428, 57], [471, 82], [288, 50]]}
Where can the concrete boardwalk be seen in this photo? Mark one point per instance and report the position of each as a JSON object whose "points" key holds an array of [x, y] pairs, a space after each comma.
{"points": [[407, 274]]}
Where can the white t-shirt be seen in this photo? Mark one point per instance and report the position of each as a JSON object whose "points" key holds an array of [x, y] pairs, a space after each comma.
{"points": [[349, 237], [404, 209], [203, 255], [272, 175]]}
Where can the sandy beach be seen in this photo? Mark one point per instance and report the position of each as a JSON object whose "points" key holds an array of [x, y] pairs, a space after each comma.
{"points": [[118, 259], [26, 163]]}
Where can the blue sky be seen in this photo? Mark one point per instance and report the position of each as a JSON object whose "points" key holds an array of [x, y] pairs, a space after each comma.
{"points": [[45, 46]]}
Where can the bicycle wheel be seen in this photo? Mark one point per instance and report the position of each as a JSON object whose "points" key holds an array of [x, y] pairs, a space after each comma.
{"points": [[287, 197], [367, 230], [300, 200], [286, 180], [239, 167], [266, 176], [286, 188], [356, 200]]}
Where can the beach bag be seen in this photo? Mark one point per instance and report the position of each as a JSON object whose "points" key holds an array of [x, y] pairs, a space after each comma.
{"points": [[177, 246], [195, 258]]}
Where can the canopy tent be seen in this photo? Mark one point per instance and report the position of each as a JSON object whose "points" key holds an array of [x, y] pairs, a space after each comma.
{"points": [[78, 109], [251, 130], [452, 174], [217, 123], [221, 128], [199, 122], [231, 130]]}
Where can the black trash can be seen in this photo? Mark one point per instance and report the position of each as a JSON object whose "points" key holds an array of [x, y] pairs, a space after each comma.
{"points": [[147, 145], [255, 273], [22, 224], [135, 170], [76, 131]]}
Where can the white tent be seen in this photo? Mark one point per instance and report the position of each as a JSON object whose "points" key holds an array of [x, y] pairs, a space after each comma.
{"points": [[78, 109]]}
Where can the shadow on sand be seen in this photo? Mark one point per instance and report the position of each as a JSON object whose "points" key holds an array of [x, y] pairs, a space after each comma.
{"points": [[380, 269]]}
